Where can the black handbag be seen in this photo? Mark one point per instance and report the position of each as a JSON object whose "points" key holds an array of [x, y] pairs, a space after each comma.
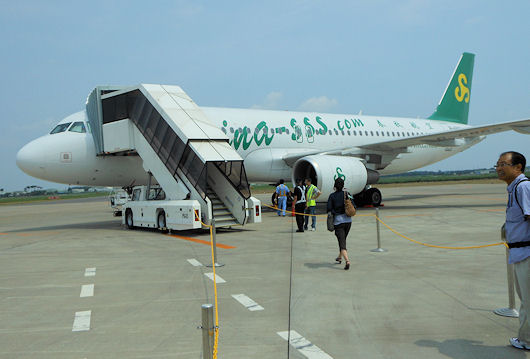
{"points": [[331, 219]]}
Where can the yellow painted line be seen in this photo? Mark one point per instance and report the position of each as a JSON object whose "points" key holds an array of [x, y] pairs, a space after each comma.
{"points": [[410, 215]]}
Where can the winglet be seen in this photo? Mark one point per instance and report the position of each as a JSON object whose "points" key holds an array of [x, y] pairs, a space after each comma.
{"points": [[454, 105]]}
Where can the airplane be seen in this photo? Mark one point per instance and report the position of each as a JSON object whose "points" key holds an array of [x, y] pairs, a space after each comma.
{"points": [[284, 144]]}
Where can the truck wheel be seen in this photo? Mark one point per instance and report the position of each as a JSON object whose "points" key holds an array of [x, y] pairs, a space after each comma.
{"points": [[162, 221], [129, 219]]}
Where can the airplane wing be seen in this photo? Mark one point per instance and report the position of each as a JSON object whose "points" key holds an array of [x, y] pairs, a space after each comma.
{"points": [[440, 139], [450, 138]]}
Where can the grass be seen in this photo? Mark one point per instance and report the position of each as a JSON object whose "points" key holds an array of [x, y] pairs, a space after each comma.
{"points": [[26, 199]]}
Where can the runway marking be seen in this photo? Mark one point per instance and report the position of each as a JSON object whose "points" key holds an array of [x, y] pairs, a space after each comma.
{"points": [[87, 290], [82, 321], [218, 245], [247, 302], [304, 346], [217, 278], [195, 262], [90, 272]]}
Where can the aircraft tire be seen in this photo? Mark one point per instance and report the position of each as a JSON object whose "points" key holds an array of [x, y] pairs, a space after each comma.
{"points": [[129, 219], [373, 197]]}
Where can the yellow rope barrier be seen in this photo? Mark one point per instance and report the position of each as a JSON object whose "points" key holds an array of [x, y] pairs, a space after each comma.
{"points": [[309, 215], [396, 232], [432, 245]]}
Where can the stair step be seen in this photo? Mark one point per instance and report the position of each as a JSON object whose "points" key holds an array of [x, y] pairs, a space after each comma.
{"points": [[221, 213], [216, 207], [226, 217], [226, 223]]}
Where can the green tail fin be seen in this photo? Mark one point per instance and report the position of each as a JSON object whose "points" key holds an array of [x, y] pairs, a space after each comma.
{"points": [[454, 105]]}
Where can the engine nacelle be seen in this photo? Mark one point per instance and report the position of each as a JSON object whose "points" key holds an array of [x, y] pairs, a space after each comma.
{"points": [[324, 169]]}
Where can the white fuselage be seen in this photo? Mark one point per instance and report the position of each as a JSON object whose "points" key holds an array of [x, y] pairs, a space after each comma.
{"points": [[261, 137]]}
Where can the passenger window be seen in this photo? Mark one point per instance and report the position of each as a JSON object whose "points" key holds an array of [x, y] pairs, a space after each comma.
{"points": [[60, 128], [77, 127]]}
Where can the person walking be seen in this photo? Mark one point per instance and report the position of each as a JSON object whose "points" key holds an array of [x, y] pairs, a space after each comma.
{"points": [[312, 193], [342, 221], [510, 169], [282, 191], [299, 204]]}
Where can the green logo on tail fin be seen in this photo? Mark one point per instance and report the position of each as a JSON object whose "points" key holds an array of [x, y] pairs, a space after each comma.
{"points": [[454, 105]]}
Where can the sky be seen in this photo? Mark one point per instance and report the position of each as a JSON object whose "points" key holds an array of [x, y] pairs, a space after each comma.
{"points": [[385, 58]]}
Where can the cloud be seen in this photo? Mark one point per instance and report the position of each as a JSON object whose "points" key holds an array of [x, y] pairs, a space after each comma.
{"points": [[271, 101], [319, 104]]}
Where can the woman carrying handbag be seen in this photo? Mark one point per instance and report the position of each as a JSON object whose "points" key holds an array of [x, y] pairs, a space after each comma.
{"points": [[342, 208]]}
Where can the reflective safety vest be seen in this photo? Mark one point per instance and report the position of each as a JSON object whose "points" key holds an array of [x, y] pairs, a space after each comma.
{"points": [[302, 197], [282, 190], [310, 200]]}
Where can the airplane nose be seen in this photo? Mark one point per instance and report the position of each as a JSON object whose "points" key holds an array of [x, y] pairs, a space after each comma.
{"points": [[30, 159]]}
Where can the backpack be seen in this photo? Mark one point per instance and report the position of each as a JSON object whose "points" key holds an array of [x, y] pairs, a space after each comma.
{"points": [[515, 192]]}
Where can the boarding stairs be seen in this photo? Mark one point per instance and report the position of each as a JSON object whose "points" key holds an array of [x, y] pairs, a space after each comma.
{"points": [[184, 151]]}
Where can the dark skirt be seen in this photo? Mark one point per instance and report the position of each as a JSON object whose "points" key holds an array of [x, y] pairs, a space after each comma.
{"points": [[341, 231]]}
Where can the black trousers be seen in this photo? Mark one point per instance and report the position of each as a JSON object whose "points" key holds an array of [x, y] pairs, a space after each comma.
{"points": [[299, 208], [341, 231]]}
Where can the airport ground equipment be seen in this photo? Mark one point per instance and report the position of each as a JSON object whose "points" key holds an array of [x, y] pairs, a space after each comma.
{"points": [[149, 208], [117, 198], [188, 156]]}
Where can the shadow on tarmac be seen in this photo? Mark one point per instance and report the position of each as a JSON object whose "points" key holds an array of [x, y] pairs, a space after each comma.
{"points": [[323, 265], [74, 226], [471, 349]]}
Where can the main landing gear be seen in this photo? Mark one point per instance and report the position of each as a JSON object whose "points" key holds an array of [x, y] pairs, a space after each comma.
{"points": [[368, 197]]}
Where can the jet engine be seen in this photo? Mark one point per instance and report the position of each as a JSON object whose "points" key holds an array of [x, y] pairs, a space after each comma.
{"points": [[325, 169]]}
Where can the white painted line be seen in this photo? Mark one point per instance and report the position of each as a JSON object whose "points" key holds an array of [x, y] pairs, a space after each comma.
{"points": [[87, 290], [82, 321], [247, 302], [304, 346], [217, 278], [195, 262], [90, 272]]}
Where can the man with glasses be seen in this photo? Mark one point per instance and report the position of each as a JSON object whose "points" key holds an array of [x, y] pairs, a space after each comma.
{"points": [[510, 169]]}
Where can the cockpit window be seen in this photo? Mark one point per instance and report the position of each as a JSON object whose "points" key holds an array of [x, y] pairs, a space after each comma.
{"points": [[60, 128], [78, 127]]}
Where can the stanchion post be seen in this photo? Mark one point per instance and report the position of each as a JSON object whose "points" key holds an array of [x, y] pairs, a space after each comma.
{"points": [[510, 311], [378, 249], [208, 331], [214, 239]]}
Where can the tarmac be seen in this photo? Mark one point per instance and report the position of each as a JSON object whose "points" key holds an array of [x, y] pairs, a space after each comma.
{"points": [[75, 284]]}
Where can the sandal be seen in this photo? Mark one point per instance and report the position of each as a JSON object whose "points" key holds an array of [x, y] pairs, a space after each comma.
{"points": [[338, 260], [347, 266]]}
